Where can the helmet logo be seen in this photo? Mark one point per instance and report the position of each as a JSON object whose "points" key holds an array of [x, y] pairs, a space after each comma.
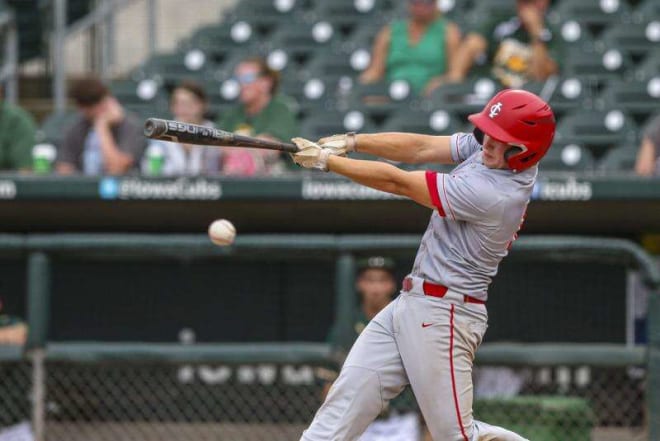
{"points": [[495, 110]]}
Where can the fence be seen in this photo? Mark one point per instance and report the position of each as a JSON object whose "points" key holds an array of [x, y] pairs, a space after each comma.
{"points": [[99, 391]]}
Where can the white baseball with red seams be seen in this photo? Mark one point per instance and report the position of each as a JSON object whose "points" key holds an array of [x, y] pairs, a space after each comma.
{"points": [[222, 232]]}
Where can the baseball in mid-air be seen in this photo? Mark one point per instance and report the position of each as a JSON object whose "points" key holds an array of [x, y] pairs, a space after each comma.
{"points": [[222, 232]]}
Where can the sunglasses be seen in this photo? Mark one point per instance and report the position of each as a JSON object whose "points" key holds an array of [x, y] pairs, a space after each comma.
{"points": [[424, 2], [246, 78]]}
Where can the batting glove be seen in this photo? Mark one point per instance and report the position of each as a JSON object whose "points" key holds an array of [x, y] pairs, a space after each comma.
{"points": [[340, 145], [310, 154]]}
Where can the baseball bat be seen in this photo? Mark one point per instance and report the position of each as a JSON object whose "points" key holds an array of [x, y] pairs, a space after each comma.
{"points": [[177, 131]]}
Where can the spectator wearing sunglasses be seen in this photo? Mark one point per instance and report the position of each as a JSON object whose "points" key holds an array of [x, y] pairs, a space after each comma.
{"points": [[419, 49], [263, 113]]}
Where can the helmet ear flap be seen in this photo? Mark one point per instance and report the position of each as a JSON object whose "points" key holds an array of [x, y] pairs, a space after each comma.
{"points": [[478, 135], [512, 151]]}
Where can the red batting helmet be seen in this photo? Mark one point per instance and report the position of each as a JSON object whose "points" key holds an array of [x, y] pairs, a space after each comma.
{"points": [[520, 118]]}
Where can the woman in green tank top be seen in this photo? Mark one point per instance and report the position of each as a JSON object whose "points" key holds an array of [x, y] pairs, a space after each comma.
{"points": [[419, 49]]}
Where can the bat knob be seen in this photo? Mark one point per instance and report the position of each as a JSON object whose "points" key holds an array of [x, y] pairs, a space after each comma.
{"points": [[154, 127]]}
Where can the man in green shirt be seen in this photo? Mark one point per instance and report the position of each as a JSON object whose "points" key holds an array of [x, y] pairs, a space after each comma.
{"points": [[262, 113], [518, 49], [17, 137], [376, 286]]}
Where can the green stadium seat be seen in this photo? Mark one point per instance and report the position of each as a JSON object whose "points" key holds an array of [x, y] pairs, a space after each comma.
{"points": [[309, 95], [52, 129], [620, 159], [415, 120], [573, 33], [593, 13], [145, 98], [303, 39], [637, 39], [649, 67], [564, 94], [638, 98], [567, 157], [222, 95], [381, 99], [647, 9], [266, 15], [597, 130], [171, 68], [463, 98], [333, 67], [596, 66], [218, 41], [483, 11], [325, 123], [348, 14]]}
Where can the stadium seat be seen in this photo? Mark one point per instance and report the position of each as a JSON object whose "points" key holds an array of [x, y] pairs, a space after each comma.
{"points": [[567, 157], [309, 95], [303, 39], [334, 67], [430, 122], [619, 159], [222, 95], [463, 98], [484, 11], [573, 33], [170, 68], [381, 99], [218, 41], [146, 98], [347, 14], [593, 13], [325, 123], [595, 66], [649, 67], [564, 94], [638, 98], [266, 15], [646, 9], [597, 130], [637, 39], [52, 129]]}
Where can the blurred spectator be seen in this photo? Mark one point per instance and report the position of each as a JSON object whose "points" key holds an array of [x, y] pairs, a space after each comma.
{"points": [[519, 49], [419, 49], [376, 286], [104, 139], [12, 330], [648, 156], [188, 103], [17, 137], [262, 113]]}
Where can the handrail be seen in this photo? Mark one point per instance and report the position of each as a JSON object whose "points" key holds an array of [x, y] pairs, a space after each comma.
{"points": [[555, 248]]}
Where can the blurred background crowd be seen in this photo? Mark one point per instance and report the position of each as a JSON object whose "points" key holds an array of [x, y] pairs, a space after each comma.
{"points": [[281, 68]]}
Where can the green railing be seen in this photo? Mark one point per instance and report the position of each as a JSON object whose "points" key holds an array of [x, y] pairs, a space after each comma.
{"points": [[39, 249]]}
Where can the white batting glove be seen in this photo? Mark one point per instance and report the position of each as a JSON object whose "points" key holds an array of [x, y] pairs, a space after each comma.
{"points": [[340, 145], [310, 154]]}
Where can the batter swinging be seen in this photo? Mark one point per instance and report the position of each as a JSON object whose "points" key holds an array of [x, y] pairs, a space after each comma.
{"points": [[428, 336]]}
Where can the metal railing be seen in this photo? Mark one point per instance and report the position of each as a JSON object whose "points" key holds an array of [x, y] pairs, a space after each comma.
{"points": [[270, 391]]}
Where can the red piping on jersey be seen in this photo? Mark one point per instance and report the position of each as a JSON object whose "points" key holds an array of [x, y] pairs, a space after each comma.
{"points": [[444, 190], [432, 184], [451, 367]]}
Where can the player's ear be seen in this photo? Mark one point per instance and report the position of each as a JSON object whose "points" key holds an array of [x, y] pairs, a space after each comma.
{"points": [[478, 135]]}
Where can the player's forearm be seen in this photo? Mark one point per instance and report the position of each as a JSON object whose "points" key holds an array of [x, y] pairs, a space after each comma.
{"points": [[374, 174], [384, 177], [409, 148]]}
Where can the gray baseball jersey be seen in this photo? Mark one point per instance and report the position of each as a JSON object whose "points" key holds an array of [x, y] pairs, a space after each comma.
{"points": [[479, 211], [430, 342]]}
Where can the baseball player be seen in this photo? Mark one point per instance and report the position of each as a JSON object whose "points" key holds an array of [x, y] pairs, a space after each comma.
{"points": [[428, 336]]}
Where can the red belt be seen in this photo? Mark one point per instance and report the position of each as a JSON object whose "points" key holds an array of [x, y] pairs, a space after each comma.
{"points": [[435, 290]]}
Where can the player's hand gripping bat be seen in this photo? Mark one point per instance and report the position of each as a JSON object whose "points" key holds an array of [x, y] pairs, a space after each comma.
{"points": [[177, 131]]}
